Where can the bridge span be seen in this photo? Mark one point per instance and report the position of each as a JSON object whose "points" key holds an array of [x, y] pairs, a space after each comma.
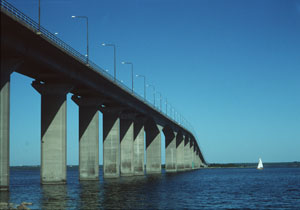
{"points": [[57, 70]]}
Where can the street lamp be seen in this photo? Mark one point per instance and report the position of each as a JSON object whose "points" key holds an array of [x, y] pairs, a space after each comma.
{"points": [[123, 62], [115, 68], [166, 106], [172, 112], [160, 99], [153, 93], [87, 36], [39, 32], [144, 85], [183, 121], [180, 119]]}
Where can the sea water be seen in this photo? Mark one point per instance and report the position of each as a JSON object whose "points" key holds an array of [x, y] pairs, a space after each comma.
{"points": [[224, 188]]}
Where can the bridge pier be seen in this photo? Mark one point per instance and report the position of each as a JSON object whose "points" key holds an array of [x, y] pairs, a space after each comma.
{"points": [[198, 159], [187, 159], [195, 156], [7, 67], [111, 144], [180, 152], [4, 129], [192, 153], [170, 138], [138, 147], [4, 125], [201, 164], [88, 137], [53, 131], [126, 143], [153, 147]]}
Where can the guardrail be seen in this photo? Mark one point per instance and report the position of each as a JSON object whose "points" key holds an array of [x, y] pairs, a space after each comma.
{"points": [[33, 25]]}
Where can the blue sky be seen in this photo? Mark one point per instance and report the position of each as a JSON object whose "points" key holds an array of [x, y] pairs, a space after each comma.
{"points": [[232, 68]]}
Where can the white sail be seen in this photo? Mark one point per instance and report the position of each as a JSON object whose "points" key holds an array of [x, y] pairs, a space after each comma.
{"points": [[260, 164]]}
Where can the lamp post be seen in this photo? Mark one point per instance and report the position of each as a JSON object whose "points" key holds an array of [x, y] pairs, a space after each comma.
{"points": [[160, 100], [180, 119], [138, 75], [153, 93], [39, 16], [115, 68], [172, 112], [131, 73], [166, 106], [87, 36]]}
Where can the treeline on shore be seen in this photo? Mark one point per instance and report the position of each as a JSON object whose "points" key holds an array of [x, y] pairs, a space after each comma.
{"points": [[254, 165], [210, 165]]}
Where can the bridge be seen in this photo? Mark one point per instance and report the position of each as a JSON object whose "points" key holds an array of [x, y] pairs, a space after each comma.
{"points": [[128, 119]]}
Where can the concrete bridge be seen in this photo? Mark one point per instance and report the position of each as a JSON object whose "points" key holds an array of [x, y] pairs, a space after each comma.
{"points": [[57, 70]]}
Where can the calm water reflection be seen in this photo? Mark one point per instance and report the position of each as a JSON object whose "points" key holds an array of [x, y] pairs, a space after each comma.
{"points": [[90, 195], [54, 197], [123, 192]]}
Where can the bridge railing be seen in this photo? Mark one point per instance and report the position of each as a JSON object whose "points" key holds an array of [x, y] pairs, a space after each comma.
{"points": [[33, 25]]}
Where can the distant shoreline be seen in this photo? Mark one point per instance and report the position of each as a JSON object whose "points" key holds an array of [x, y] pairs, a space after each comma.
{"points": [[210, 165], [294, 164]]}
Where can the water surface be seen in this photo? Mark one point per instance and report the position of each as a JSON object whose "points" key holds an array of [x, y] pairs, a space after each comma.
{"points": [[231, 188]]}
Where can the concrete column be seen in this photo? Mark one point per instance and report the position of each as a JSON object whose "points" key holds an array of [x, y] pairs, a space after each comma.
{"points": [[7, 67], [195, 156], [180, 152], [153, 147], [126, 143], [196, 159], [187, 152], [170, 138], [88, 137], [201, 163], [192, 153], [199, 160], [4, 128], [138, 147], [53, 132], [111, 144]]}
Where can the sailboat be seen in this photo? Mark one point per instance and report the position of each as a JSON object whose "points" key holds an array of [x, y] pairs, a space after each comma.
{"points": [[260, 164]]}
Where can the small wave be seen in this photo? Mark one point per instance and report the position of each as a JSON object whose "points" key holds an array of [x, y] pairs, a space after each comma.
{"points": [[292, 190]]}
